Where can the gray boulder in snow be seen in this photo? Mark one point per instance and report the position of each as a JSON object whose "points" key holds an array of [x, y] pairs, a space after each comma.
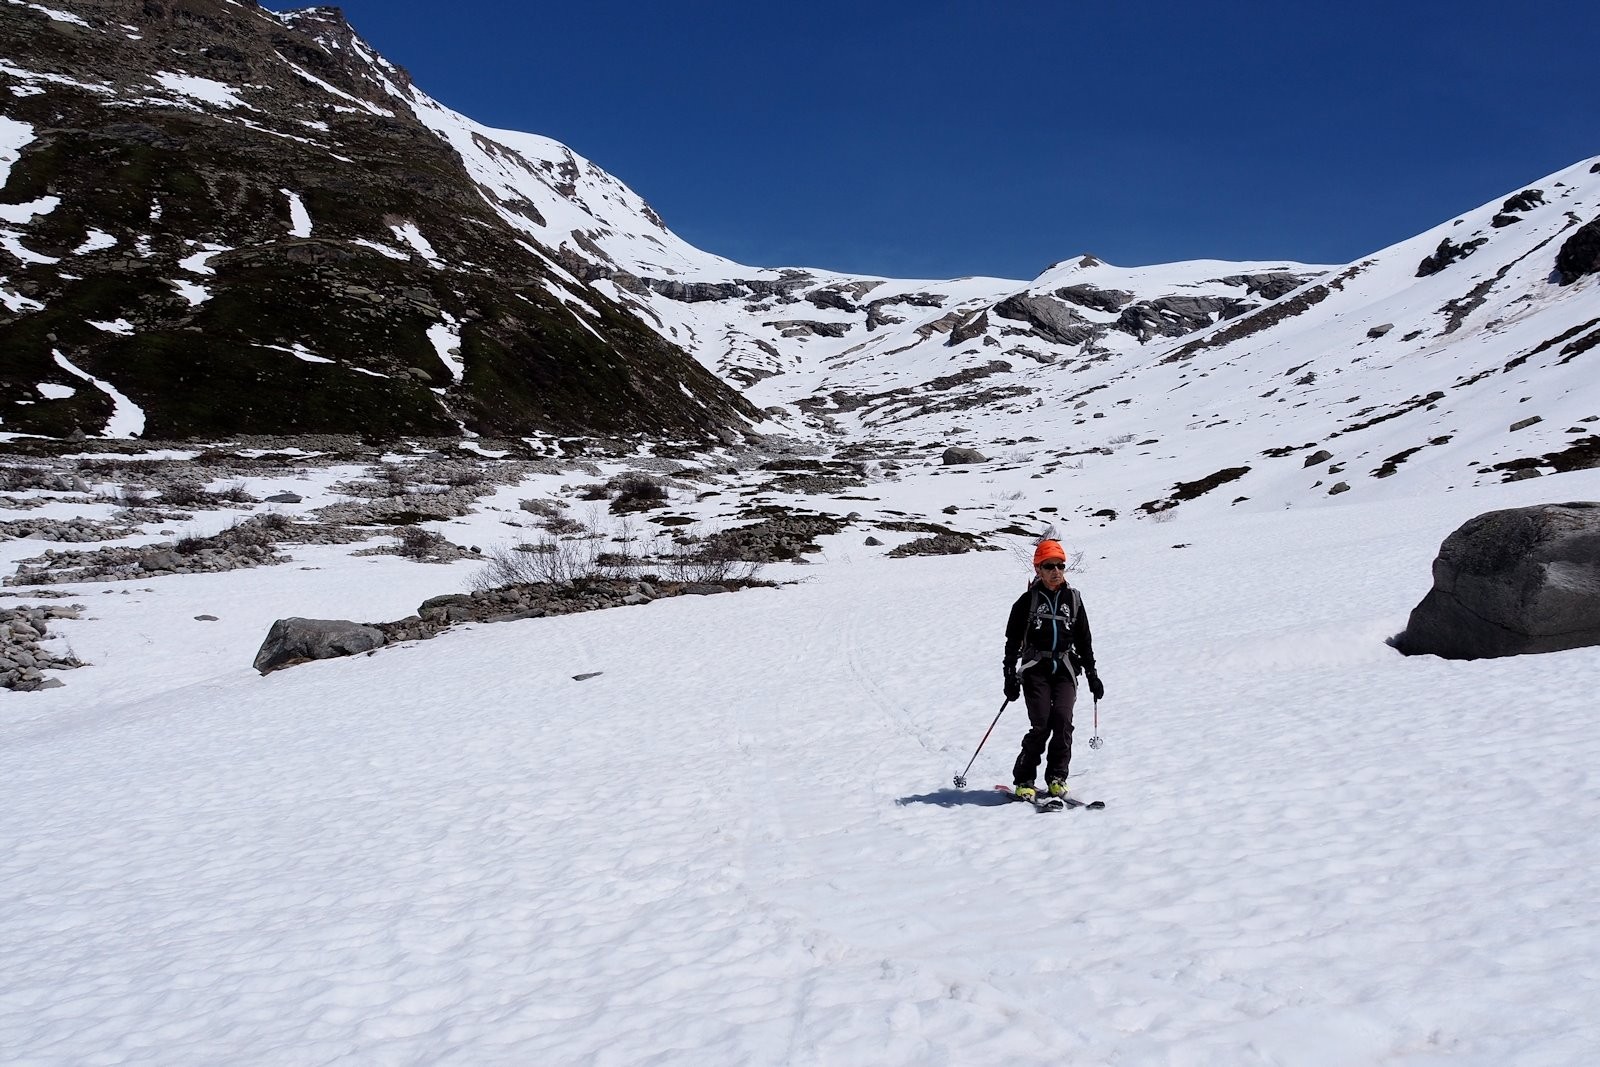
{"points": [[957, 454], [1512, 582], [295, 640]]}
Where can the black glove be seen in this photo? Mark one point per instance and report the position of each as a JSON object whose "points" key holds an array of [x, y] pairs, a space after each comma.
{"points": [[1096, 687], [1013, 686]]}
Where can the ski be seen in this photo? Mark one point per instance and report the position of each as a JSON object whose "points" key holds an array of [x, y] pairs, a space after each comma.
{"points": [[1049, 803]]}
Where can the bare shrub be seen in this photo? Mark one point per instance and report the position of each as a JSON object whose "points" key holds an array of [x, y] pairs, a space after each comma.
{"points": [[563, 526], [1023, 551], [547, 561], [698, 560], [186, 495], [190, 544], [417, 543], [274, 521], [233, 493], [394, 480], [250, 532], [635, 492], [130, 497]]}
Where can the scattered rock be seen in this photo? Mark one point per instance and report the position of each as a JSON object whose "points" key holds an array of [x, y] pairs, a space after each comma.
{"points": [[1525, 423], [958, 455], [939, 544], [23, 657], [285, 498], [1340, 487], [1512, 582], [1321, 455]]}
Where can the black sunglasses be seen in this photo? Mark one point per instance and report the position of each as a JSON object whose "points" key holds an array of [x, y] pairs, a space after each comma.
{"points": [[1052, 566]]}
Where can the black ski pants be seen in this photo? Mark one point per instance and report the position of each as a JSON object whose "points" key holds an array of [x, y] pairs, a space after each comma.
{"points": [[1049, 696]]}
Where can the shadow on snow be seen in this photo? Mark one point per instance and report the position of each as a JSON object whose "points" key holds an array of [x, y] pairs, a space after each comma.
{"points": [[956, 798]]}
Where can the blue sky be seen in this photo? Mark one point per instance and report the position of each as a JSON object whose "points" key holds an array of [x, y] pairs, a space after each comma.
{"points": [[937, 138]]}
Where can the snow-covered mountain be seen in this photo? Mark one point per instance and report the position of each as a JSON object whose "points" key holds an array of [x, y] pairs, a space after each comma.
{"points": [[218, 220], [297, 238]]}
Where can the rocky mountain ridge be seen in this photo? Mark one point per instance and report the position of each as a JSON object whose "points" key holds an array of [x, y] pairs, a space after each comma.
{"points": [[217, 220]]}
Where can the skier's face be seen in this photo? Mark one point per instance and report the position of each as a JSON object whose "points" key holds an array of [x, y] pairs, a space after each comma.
{"points": [[1053, 573]]}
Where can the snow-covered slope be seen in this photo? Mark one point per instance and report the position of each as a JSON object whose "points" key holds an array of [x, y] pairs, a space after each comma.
{"points": [[734, 842]]}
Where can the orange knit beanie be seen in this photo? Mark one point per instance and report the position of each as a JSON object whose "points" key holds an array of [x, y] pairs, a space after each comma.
{"points": [[1048, 550]]}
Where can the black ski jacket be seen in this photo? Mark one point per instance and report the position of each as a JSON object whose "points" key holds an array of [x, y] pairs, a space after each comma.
{"points": [[1049, 629]]}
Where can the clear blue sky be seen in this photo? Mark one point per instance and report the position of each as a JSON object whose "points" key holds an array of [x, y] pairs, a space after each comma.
{"points": [[934, 138]]}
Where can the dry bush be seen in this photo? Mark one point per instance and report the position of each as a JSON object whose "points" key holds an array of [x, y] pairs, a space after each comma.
{"points": [[635, 492], [417, 543], [700, 561]]}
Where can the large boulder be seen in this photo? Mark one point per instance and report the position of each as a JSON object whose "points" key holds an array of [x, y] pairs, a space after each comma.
{"points": [[1512, 582], [296, 640]]}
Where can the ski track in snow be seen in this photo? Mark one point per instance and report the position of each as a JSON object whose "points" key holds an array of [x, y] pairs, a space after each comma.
{"points": [[1315, 851]]}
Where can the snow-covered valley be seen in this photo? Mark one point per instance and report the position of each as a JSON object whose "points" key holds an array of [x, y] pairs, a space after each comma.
{"points": [[738, 843], [721, 829]]}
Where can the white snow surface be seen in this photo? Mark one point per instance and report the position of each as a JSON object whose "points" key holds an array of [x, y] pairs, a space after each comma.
{"points": [[739, 844], [446, 340], [127, 418], [17, 302], [299, 217], [194, 294], [26, 213], [412, 236], [205, 90]]}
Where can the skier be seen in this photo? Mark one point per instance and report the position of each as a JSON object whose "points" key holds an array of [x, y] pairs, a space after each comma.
{"points": [[1049, 630]]}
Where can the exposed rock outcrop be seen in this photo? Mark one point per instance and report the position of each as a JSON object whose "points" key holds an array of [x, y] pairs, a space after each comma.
{"points": [[1580, 253], [1447, 253], [1050, 319], [1176, 316]]}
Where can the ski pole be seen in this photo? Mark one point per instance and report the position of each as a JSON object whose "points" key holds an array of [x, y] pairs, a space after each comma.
{"points": [[1095, 741], [961, 779]]}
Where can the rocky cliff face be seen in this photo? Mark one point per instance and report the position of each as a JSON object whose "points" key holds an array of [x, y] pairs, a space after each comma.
{"points": [[217, 220]]}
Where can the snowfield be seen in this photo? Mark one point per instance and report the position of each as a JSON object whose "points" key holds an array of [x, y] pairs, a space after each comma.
{"points": [[739, 843]]}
